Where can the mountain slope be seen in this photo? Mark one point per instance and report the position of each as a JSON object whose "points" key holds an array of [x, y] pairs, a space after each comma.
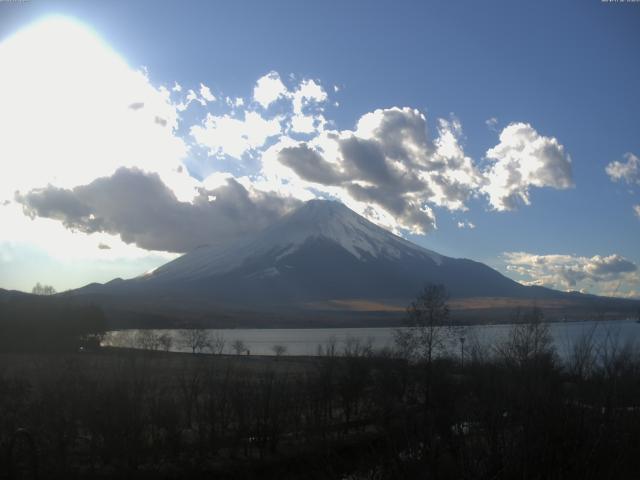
{"points": [[321, 251], [319, 256]]}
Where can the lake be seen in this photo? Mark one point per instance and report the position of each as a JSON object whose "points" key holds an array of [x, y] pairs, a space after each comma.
{"points": [[305, 341]]}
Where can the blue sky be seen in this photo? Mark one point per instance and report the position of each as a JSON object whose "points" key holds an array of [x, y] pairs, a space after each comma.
{"points": [[566, 72]]}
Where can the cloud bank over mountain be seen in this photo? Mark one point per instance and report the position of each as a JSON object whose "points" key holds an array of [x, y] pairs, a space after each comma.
{"points": [[142, 210]]}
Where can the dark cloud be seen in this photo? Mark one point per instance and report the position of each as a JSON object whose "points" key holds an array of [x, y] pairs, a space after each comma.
{"points": [[140, 208], [451, 189], [405, 210], [571, 275], [388, 162], [365, 160], [556, 170], [401, 133], [611, 265], [57, 203], [309, 165], [373, 194], [368, 176], [136, 105], [104, 246]]}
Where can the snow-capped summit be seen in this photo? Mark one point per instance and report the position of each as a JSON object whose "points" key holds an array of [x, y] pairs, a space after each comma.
{"points": [[316, 221], [335, 222]]}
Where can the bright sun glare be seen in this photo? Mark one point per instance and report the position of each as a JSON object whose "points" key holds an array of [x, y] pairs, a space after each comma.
{"points": [[69, 117], [64, 87]]}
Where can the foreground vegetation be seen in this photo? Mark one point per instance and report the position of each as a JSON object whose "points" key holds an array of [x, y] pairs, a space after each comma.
{"points": [[40, 323], [513, 411], [69, 409]]}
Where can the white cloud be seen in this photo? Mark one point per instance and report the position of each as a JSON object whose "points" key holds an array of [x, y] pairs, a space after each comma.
{"points": [[232, 136], [524, 159], [491, 123], [206, 94], [268, 89], [627, 171], [234, 102], [303, 124], [191, 97], [308, 92], [608, 275], [466, 224], [307, 102]]}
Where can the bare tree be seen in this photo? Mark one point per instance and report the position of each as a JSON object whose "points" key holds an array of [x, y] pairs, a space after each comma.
{"points": [[165, 340], [582, 357], [197, 339], [356, 347], [147, 340], [329, 349], [217, 343], [529, 338], [279, 350], [238, 346], [476, 351], [614, 353], [429, 325]]}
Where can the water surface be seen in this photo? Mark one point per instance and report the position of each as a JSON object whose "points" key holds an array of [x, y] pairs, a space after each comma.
{"points": [[305, 341]]}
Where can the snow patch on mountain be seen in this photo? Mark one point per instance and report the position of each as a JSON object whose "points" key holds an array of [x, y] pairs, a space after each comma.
{"points": [[335, 222], [316, 220]]}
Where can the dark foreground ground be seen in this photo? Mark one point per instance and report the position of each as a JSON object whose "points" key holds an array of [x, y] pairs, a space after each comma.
{"points": [[514, 412]]}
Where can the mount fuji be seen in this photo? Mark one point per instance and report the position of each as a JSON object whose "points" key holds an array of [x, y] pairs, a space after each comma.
{"points": [[322, 260], [325, 251]]}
